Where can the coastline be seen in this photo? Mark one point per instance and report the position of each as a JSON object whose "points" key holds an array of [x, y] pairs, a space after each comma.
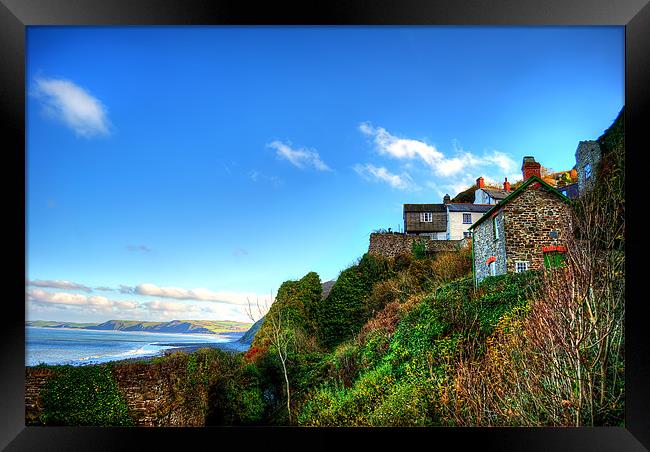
{"points": [[172, 343]]}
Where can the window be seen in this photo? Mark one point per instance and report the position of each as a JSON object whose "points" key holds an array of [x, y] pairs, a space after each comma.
{"points": [[495, 224], [521, 266], [554, 259], [587, 171], [426, 217], [467, 218], [467, 234], [493, 268]]}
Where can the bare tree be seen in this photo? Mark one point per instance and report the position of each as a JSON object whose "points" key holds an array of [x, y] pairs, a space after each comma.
{"points": [[281, 338]]}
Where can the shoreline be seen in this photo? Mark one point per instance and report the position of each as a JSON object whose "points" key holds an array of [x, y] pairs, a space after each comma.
{"points": [[182, 347]]}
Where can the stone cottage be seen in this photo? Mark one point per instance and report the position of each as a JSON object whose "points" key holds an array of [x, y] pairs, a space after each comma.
{"points": [[527, 230]]}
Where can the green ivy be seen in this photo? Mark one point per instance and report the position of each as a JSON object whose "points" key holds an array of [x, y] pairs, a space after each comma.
{"points": [[83, 396]]}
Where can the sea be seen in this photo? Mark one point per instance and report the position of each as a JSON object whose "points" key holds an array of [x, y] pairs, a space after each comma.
{"points": [[79, 347]]}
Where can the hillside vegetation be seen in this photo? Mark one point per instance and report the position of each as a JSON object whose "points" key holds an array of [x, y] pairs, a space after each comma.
{"points": [[410, 341]]}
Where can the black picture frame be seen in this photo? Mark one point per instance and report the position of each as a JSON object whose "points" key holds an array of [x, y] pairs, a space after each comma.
{"points": [[15, 15]]}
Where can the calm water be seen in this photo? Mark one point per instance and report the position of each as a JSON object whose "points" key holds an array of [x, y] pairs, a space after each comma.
{"points": [[77, 347]]}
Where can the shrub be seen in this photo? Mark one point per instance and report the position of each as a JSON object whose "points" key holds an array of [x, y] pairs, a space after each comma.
{"points": [[419, 249], [406, 404]]}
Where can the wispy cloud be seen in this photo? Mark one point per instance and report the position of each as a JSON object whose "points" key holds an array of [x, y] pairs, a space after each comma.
{"points": [[300, 157], [441, 165], [142, 248], [239, 252], [59, 284], [257, 176], [73, 105], [236, 298], [105, 289], [370, 172]]}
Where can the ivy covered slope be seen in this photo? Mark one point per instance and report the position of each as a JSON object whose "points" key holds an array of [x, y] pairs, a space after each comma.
{"points": [[399, 368]]}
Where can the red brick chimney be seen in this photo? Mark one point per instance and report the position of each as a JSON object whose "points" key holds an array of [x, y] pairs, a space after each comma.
{"points": [[506, 185], [530, 168], [480, 182]]}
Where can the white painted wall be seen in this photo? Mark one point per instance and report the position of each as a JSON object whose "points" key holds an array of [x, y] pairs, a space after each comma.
{"points": [[455, 226], [481, 197]]}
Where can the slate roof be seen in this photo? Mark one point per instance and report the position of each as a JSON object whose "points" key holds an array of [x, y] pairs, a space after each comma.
{"points": [[425, 208], [467, 207], [496, 193]]}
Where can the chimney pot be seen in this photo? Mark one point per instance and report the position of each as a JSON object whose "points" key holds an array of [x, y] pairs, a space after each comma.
{"points": [[480, 182], [446, 199], [506, 185]]}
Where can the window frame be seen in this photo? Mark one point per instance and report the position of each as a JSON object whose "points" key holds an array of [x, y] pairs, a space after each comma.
{"points": [[517, 263], [587, 171], [492, 268], [469, 216], [495, 225], [424, 216]]}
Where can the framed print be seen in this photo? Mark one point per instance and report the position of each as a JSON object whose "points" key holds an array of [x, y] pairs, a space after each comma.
{"points": [[256, 223]]}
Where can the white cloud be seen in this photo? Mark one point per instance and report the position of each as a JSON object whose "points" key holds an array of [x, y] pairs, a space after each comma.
{"points": [[441, 165], [73, 105], [371, 172], [170, 306], [93, 302], [169, 310], [201, 294], [59, 284], [301, 158]]}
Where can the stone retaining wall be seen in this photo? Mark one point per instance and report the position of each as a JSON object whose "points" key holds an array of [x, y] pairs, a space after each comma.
{"points": [[148, 388], [35, 379], [393, 244]]}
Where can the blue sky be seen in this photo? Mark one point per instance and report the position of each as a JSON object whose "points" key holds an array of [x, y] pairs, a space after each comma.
{"points": [[175, 172]]}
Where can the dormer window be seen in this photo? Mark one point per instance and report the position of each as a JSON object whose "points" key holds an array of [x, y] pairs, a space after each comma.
{"points": [[426, 217]]}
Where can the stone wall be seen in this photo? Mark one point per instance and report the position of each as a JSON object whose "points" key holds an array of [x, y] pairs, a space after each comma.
{"points": [[529, 220], [148, 388], [486, 246], [150, 393], [394, 244], [35, 379], [588, 153]]}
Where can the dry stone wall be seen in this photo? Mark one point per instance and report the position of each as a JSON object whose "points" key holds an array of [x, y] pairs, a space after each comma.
{"points": [[393, 244], [150, 391]]}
